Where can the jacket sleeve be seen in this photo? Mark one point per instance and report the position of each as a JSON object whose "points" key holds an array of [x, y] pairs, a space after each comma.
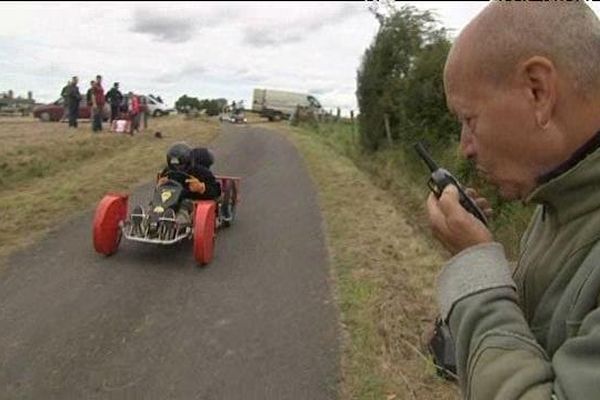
{"points": [[213, 188], [497, 354]]}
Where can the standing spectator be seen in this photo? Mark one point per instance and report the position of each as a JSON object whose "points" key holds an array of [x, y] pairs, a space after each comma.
{"points": [[65, 96], [73, 99], [89, 94], [134, 112], [115, 98], [125, 105], [144, 110], [89, 97], [97, 104]]}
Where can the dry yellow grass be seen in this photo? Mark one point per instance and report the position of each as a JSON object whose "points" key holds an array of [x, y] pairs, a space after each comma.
{"points": [[384, 271], [48, 172]]}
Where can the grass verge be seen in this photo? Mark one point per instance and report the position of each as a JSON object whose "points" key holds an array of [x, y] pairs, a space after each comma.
{"points": [[384, 270], [47, 171]]}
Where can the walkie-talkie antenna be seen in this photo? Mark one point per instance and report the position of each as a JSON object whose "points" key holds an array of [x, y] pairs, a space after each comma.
{"points": [[420, 148]]}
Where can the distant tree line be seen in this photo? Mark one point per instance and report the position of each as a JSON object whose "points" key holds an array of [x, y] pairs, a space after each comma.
{"points": [[212, 106]]}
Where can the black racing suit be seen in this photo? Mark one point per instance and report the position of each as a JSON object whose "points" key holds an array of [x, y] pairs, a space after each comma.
{"points": [[204, 175]]}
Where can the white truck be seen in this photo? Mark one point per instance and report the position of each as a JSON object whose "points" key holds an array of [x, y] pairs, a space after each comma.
{"points": [[278, 104]]}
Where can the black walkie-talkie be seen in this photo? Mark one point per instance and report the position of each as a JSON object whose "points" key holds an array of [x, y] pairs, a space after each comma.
{"points": [[440, 178]]}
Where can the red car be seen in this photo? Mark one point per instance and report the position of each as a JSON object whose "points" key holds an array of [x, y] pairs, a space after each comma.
{"points": [[55, 111]]}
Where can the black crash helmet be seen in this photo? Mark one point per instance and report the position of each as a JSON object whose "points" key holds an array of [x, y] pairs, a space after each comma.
{"points": [[202, 156], [179, 156]]}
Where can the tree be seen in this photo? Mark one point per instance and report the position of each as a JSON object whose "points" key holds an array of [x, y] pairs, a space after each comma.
{"points": [[185, 103], [401, 75], [212, 106]]}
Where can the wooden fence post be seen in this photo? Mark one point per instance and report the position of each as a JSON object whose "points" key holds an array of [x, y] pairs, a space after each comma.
{"points": [[388, 132]]}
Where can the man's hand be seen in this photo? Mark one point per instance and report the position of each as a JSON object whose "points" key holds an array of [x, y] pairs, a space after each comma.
{"points": [[452, 225], [195, 185]]}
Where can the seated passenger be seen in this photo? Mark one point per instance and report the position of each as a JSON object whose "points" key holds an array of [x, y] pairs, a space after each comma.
{"points": [[202, 159]]}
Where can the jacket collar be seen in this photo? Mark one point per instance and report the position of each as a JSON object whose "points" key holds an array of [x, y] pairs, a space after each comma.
{"points": [[573, 188]]}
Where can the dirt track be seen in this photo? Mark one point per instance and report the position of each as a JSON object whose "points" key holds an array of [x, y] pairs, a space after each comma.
{"points": [[258, 323]]}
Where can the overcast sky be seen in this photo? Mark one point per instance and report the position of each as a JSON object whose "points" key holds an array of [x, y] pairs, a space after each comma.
{"points": [[197, 48]]}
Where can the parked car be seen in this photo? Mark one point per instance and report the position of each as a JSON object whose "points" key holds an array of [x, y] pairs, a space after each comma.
{"points": [[156, 106], [55, 111]]}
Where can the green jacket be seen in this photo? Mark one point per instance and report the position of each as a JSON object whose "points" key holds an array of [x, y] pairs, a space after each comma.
{"points": [[533, 333]]}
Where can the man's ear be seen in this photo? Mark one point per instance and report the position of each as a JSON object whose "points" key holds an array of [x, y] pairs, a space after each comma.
{"points": [[540, 77]]}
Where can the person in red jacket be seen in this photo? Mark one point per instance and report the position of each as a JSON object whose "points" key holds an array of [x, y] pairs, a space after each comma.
{"points": [[134, 112]]}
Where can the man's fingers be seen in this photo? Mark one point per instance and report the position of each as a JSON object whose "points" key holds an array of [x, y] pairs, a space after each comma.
{"points": [[472, 193], [449, 201], [482, 203], [437, 220]]}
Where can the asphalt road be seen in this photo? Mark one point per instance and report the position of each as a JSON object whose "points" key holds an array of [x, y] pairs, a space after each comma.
{"points": [[258, 323]]}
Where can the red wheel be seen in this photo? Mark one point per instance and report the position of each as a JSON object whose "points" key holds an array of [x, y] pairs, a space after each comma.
{"points": [[111, 210], [204, 231]]}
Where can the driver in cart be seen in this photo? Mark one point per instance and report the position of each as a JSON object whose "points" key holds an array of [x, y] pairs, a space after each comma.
{"points": [[201, 183]]}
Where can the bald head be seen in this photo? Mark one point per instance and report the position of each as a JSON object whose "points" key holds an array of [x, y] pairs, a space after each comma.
{"points": [[506, 33]]}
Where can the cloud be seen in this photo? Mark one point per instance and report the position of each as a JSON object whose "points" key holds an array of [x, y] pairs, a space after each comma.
{"points": [[178, 25], [340, 15], [286, 32], [190, 71], [319, 91], [163, 28], [322, 87], [268, 36], [247, 75], [193, 70], [196, 72]]}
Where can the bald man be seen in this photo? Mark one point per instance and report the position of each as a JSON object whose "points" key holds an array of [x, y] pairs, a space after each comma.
{"points": [[524, 80]]}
